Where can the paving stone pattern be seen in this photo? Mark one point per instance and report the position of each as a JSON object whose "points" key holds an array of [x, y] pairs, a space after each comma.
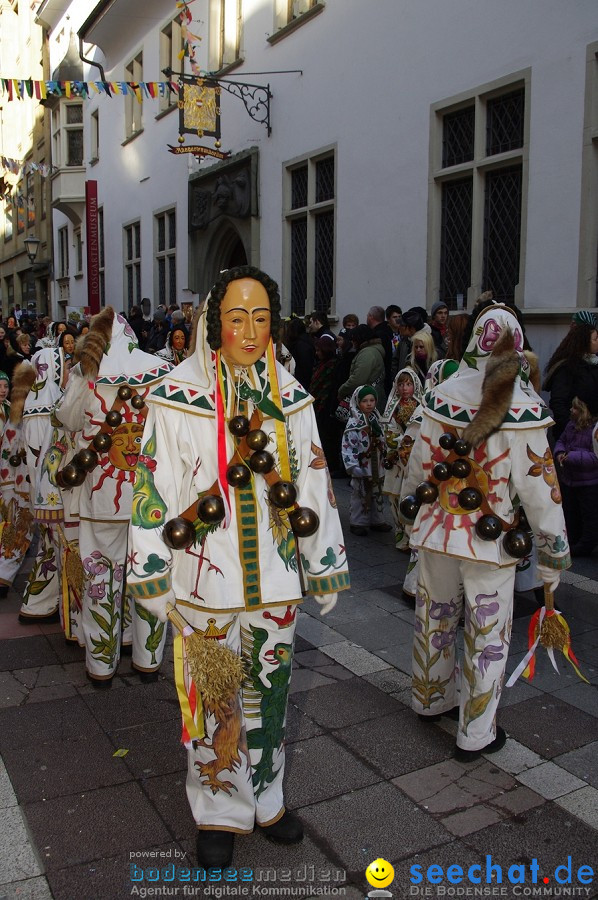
{"points": [[368, 778]]}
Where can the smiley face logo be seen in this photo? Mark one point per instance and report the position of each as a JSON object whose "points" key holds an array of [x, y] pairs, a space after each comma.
{"points": [[379, 873]]}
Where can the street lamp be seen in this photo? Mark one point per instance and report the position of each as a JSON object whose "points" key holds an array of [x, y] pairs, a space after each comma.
{"points": [[32, 247]]}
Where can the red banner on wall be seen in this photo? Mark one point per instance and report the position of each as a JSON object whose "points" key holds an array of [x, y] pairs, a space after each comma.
{"points": [[93, 246]]}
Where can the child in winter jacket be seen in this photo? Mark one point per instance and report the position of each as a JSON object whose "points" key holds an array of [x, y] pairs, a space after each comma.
{"points": [[363, 453], [404, 398], [577, 466]]}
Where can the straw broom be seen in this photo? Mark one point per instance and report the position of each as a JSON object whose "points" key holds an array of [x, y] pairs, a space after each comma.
{"points": [[217, 671], [555, 633]]}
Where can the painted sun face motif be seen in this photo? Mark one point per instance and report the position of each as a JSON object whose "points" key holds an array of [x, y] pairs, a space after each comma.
{"points": [[126, 444], [245, 319]]}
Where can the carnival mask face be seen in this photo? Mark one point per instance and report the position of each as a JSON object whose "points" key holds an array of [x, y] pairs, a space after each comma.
{"points": [[245, 322], [178, 340]]}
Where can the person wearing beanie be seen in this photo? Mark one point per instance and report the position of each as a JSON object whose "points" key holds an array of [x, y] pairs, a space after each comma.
{"points": [[439, 324]]}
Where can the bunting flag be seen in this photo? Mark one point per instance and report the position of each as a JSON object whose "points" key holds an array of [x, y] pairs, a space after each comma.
{"points": [[27, 89], [18, 167]]}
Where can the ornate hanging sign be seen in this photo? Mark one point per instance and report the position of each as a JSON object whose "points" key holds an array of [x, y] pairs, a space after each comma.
{"points": [[199, 108], [199, 151]]}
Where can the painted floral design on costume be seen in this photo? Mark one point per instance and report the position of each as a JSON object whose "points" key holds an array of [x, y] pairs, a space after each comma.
{"points": [[544, 466]]}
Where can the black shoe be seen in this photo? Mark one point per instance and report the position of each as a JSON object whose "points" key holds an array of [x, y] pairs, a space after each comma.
{"points": [[148, 677], [359, 530], [214, 848], [37, 620], [383, 526], [495, 745], [287, 830], [436, 717], [100, 684]]}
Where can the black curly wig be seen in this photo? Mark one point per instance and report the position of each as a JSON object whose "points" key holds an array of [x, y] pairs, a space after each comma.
{"points": [[214, 330]]}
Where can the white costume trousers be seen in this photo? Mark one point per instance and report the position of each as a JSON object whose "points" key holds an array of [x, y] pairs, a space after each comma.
{"points": [[235, 772], [447, 588]]}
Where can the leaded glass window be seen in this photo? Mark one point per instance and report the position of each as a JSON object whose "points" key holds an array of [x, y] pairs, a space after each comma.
{"points": [[457, 137], [502, 232], [504, 122], [455, 254]]}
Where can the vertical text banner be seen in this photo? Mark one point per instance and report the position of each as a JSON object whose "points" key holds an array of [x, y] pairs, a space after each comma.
{"points": [[93, 246]]}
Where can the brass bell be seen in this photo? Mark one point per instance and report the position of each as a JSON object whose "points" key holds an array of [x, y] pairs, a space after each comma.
{"points": [[460, 468], [470, 498], [124, 392], [59, 480], [304, 521], [239, 426], [447, 440], [409, 507], [283, 494], [517, 543], [102, 442], [178, 534], [137, 402], [488, 528], [72, 476], [238, 476], [262, 462], [426, 492], [113, 418], [210, 509], [523, 522], [87, 459], [15, 460], [257, 439], [461, 447], [441, 472]]}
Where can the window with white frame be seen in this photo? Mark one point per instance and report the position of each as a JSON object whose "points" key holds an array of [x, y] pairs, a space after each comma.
{"points": [[63, 252], [133, 100], [101, 257], [78, 241], [165, 257], [225, 33], [310, 209], [94, 149], [171, 46], [478, 167], [132, 254], [8, 217], [67, 134]]}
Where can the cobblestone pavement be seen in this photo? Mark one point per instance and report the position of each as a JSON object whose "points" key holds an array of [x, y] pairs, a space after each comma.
{"points": [[367, 777]]}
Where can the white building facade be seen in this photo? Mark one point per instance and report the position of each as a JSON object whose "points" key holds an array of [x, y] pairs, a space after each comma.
{"points": [[418, 151]]}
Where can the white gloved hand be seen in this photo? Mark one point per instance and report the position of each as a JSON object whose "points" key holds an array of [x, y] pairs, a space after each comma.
{"points": [[326, 602], [157, 605], [550, 577]]}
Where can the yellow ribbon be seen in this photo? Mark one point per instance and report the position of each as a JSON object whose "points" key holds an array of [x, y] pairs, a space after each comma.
{"points": [[281, 434], [194, 726]]}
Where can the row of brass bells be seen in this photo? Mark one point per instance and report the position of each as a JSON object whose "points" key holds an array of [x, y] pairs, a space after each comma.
{"points": [[210, 509], [517, 542], [71, 476], [283, 494], [460, 468], [239, 426], [86, 459], [113, 418], [409, 507], [238, 475], [125, 393], [448, 441]]}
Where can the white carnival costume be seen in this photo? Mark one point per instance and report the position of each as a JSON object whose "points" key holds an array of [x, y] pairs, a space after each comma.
{"points": [[463, 529], [241, 581], [92, 406]]}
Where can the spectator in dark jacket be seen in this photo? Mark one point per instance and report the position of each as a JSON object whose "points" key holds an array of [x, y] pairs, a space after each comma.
{"points": [[439, 325], [319, 325], [158, 332], [376, 319], [138, 325], [572, 370], [301, 347]]}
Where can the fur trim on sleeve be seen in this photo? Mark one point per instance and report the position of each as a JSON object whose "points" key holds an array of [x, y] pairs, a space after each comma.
{"points": [[95, 343], [23, 379], [497, 390]]}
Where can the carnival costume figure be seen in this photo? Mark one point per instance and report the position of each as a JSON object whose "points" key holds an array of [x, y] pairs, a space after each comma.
{"points": [[237, 461], [363, 450], [15, 502], [105, 403], [405, 397], [41, 598], [482, 452]]}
